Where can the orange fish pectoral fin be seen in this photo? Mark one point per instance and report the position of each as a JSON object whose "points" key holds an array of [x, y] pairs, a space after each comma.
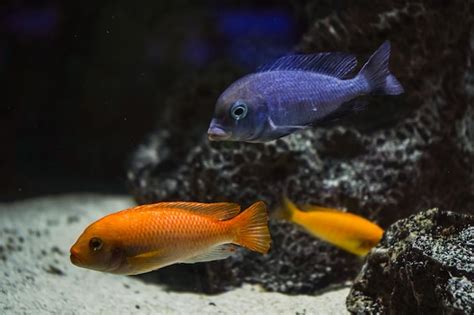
{"points": [[252, 228], [218, 210], [143, 259], [214, 253]]}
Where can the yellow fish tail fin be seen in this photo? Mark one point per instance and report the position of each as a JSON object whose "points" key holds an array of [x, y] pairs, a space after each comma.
{"points": [[252, 228], [286, 211]]}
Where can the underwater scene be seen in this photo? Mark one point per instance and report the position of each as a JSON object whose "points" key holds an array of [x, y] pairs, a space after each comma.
{"points": [[237, 157]]}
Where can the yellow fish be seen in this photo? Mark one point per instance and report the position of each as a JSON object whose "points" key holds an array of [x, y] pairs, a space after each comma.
{"points": [[149, 237], [342, 229]]}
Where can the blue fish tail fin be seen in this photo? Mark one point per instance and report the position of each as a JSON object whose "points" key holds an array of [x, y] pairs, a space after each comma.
{"points": [[377, 75]]}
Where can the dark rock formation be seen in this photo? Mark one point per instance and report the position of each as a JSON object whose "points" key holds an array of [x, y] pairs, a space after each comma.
{"points": [[423, 265], [402, 154]]}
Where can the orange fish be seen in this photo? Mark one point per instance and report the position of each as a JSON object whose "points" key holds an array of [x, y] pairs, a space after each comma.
{"points": [[348, 231], [149, 237]]}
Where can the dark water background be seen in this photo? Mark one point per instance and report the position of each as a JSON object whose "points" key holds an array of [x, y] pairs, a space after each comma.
{"points": [[83, 82]]}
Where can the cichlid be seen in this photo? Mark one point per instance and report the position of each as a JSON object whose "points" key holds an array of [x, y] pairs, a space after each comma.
{"points": [[149, 237], [298, 92], [342, 229]]}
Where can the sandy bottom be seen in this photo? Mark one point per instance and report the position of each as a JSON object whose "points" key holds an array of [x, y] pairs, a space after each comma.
{"points": [[36, 276]]}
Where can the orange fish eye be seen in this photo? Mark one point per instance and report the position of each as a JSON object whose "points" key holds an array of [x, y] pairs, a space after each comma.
{"points": [[95, 244]]}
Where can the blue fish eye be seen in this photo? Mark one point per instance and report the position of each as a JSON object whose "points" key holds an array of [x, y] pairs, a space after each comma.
{"points": [[239, 110]]}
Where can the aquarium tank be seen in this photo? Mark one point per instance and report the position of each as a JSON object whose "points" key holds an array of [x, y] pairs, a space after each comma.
{"points": [[237, 157]]}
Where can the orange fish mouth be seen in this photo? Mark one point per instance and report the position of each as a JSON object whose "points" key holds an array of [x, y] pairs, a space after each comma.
{"points": [[75, 260], [74, 257]]}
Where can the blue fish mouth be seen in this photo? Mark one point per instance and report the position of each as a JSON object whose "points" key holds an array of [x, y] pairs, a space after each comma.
{"points": [[216, 133]]}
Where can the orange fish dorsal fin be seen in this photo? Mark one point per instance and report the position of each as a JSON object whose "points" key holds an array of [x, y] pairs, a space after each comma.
{"points": [[218, 210]]}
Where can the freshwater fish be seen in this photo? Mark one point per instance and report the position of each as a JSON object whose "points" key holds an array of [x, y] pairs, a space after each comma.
{"points": [[298, 92], [148, 237], [345, 230]]}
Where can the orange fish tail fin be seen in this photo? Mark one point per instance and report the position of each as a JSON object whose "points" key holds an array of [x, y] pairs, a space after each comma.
{"points": [[252, 228], [286, 210]]}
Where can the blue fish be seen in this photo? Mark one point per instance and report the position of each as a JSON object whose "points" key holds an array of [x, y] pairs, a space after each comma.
{"points": [[298, 92]]}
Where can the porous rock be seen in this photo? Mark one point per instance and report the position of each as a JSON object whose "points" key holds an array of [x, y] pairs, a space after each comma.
{"points": [[423, 265], [403, 154]]}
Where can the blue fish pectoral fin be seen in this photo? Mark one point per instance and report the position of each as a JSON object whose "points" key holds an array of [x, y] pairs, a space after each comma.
{"points": [[335, 64], [285, 129], [214, 253]]}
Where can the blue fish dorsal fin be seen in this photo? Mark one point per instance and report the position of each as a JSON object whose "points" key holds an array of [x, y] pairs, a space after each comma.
{"points": [[336, 64]]}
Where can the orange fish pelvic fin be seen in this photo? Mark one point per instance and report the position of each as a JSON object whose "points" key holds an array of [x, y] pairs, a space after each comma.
{"points": [[214, 253], [252, 228]]}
